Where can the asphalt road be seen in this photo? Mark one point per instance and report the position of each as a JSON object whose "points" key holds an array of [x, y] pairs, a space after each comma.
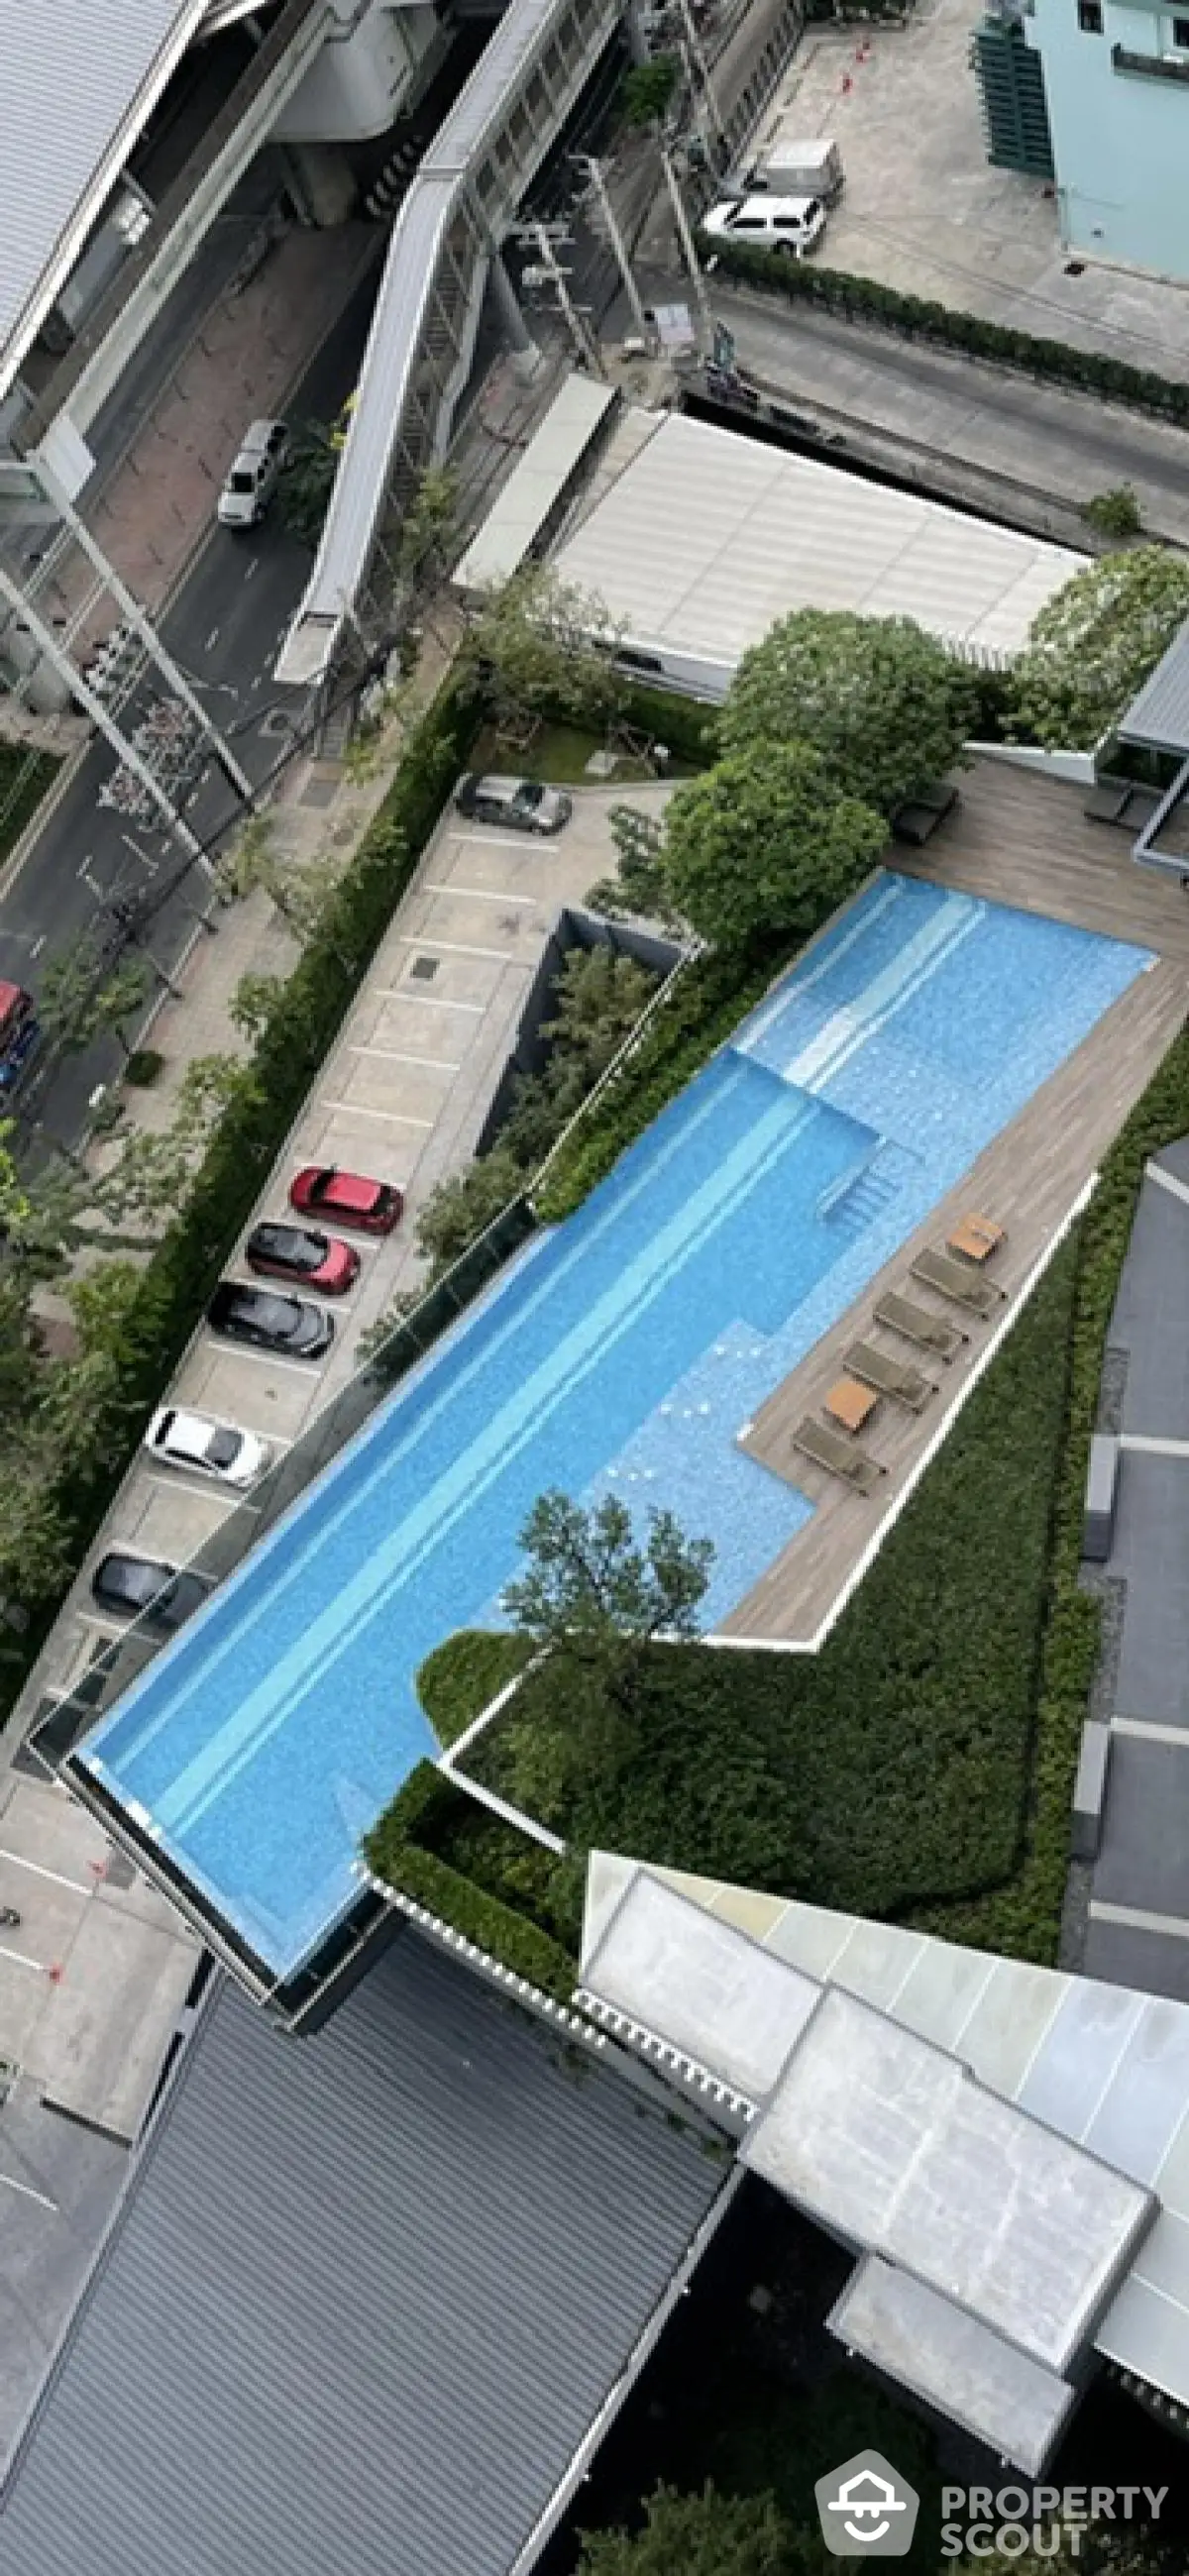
{"points": [[223, 628]]}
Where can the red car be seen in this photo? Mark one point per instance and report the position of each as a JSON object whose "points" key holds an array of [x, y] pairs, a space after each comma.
{"points": [[374, 1206], [301, 1252]]}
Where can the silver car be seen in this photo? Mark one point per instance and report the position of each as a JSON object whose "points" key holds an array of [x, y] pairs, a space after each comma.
{"points": [[519, 804], [254, 477]]}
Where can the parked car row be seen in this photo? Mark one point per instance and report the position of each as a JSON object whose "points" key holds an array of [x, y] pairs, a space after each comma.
{"points": [[128, 1585]]}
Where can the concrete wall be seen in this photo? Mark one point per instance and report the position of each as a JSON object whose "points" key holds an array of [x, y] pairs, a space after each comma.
{"points": [[358, 88], [1120, 138]]}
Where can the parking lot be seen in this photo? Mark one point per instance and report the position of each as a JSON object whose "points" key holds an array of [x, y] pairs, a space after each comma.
{"points": [[923, 210], [402, 1097]]}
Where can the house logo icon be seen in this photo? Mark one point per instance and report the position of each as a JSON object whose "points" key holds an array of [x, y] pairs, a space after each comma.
{"points": [[866, 2509]]}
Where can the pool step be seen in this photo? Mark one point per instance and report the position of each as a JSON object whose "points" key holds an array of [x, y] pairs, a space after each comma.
{"points": [[855, 1204]]}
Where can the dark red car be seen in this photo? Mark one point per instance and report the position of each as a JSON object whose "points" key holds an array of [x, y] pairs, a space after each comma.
{"points": [[301, 1252], [374, 1206]]}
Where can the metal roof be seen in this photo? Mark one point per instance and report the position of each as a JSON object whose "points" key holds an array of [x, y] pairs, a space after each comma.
{"points": [[365, 2298], [1101, 2065], [536, 484], [707, 537], [1159, 715], [80, 79]]}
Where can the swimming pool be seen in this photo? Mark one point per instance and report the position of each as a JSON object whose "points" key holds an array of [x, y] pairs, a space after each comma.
{"points": [[620, 1352]]}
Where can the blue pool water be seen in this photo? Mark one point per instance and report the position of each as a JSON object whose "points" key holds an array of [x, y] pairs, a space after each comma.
{"points": [[620, 1353]]}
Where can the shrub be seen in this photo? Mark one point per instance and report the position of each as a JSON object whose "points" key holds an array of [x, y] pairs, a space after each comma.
{"points": [[1115, 513], [143, 1067], [396, 1851], [459, 1680]]}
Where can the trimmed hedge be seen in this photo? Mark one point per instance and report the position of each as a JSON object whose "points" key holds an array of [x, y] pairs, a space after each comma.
{"points": [[1024, 1918], [915, 317], [463, 1676], [396, 1855]]}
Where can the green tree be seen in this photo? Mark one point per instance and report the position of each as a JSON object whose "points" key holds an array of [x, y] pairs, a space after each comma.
{"points": [[462, 1206], [539, 646], [303, 495], [300, 890], [595, 1597], [1093, 645], [82, 996], [429, 529], [648, 88], [702, 2535], [600, 998], [766, 841], [884, 703], [638, 886], [253, 1002]]}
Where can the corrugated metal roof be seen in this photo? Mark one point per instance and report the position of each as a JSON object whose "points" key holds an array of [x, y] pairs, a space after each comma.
{"points": [[80, 77], [366, 2294], [1159, 715], [707, 537], [1101, 2064], [536, 484]]}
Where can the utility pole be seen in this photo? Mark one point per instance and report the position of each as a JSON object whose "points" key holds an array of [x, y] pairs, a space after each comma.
{"points": [[689, 252], [549, 272], [602, 195], [696, 56]]}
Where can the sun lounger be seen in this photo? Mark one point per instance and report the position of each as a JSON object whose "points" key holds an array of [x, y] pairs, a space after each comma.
{"points": [[975, 1238], [956, 1280], [916, 1324], [836, 1451], [896, 1378]]}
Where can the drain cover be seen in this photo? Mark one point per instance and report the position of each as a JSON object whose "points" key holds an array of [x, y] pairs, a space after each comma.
{"points": [[423, 969], [320, 791]]}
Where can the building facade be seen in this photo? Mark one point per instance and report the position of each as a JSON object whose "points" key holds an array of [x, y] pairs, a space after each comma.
{"points": [[1095, 95]]}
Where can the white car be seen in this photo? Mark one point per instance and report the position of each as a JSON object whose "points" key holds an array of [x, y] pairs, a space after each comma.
{"points": [[207, 1447], [790, 225], [255, 474]]}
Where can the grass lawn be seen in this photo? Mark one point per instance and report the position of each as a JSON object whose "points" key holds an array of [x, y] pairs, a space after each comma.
{"points": [[559, 754], [890, 1772], [25, 777]]}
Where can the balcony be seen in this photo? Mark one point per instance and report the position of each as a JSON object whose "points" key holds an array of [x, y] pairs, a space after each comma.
{"points": [[1169, 67]]}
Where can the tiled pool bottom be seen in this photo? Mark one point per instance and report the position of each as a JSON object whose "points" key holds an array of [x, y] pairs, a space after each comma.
{"points": [[622, 1352]]}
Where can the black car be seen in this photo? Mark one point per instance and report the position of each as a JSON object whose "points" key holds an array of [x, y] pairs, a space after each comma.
{"points": [[146, 1587], [270, 1321]]}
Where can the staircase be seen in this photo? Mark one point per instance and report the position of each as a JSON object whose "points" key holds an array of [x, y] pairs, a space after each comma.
{"points": [[853, 1204]]}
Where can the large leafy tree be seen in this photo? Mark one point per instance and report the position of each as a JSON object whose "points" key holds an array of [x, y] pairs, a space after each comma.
{"points": [[1093, 645], [886, 705], [767, 841], [540, 646], [592, 1594], [703, 2535]]}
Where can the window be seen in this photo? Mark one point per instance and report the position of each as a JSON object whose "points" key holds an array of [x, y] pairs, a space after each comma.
{"points": [[1090, 17], [1180, 34]]}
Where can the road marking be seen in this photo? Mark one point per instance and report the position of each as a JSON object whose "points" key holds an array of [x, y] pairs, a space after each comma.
{"points": [[1166, 1180], [106, 1627], [451, 947], [395, 1117], [393, 1055], [179, 1482], [37, 946], [501, 840], [479, 894], [9, 2180], [39, 1870], [311, 1369], [1150, 1445], [212, 640], [432, 1001], [1148, 1732], [251, 568], [1132, 1918]]}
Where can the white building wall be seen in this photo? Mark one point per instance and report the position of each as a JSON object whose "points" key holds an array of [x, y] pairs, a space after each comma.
{"points": [[358, 88]]}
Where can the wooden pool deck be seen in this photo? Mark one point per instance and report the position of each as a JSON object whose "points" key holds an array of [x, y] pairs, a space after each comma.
{"points": [[1023, 841]]}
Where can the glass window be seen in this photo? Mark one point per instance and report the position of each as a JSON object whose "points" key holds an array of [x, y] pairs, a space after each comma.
{"points": [[1180, 33], [1090, 17]]}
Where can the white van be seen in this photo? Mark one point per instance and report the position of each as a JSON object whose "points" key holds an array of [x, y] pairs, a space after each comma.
{"points": [[788, 224], [794, 169]]}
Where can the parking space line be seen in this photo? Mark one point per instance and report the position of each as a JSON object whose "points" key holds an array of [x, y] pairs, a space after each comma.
{"points": [[356, 1109], [479, 894], [500, 840], [9, 2180], [393, 1055], [39, 1870], [303, 1368], [183, 1484], [451, 947], [106, 1627], [428, 1001]]}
